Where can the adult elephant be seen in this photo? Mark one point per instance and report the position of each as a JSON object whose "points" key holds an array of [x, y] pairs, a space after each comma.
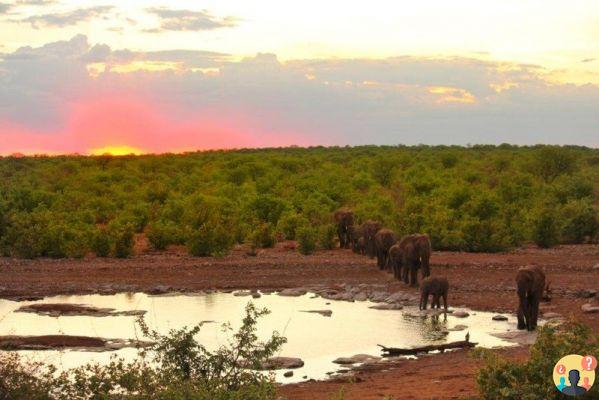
{"points": [[415, 253], [369, 230], [531, 283], [383, 240], [345, 221]]}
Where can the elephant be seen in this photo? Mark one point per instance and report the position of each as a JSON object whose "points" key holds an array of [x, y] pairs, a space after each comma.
{"points": [[344, 220], [435, 286], [531, 283], [357, 241], [394, 260], [415, 253], [383, 240], [369, 229]]}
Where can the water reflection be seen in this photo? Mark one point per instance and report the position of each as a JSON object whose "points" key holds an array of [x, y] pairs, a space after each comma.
{"points": [[353, 328]]}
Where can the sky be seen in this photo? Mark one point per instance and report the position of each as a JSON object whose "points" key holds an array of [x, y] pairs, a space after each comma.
{"points": [[91, 77]]}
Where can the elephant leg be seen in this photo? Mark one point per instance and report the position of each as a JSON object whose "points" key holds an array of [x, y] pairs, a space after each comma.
{"points": [[437, 301], [534, 312], [413, 274], [445, 301], [423, 300]]}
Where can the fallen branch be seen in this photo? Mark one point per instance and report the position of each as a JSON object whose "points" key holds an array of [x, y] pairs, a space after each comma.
{"points": [[394, 351]]}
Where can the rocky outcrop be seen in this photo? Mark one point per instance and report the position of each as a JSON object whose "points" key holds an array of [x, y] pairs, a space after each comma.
{"points": [[62, 310]]}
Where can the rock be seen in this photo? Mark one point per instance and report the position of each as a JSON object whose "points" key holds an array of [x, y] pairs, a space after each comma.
{"points": [[499, 317], [457, 328], [283, 363], [324, 313], [356, 359], [243, 293], [587, 294], [399, 297], [460, 314], [65, 309], [589, 308], [256, 295], [387, 307], [520, 337], [288, 374], [378, 297], [596, 267], [159, 289], [294, 292], [361, 296], [551, 315]]}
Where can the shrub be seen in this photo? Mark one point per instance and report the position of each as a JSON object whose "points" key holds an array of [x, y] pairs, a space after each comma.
{"points": [[306, 237], [263, 236], [326, 236], [544, 226], [102, 242], [210, 239], [123, 241], [553, 161], [161, 234], [579, 221], [502, 379], [288, 224]]}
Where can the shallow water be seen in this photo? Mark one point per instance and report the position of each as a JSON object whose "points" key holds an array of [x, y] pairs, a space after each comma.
{"points": [[352, 329]]}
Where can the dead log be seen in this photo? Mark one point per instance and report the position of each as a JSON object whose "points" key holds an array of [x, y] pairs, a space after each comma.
{"points": [[394, 351]]}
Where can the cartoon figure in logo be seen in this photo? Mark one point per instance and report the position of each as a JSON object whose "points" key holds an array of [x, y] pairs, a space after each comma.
{"points": [[574, 389], [586, 383], [562, 383]]}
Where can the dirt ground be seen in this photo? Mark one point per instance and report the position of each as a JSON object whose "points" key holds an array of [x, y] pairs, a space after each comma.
{"points": [[479, 281]]}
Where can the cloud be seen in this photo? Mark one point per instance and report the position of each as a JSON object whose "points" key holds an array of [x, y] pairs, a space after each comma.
{"points": [[588, 60], [37, 2], [207, 99], [188, 20], [5, 7], [68, 18]]}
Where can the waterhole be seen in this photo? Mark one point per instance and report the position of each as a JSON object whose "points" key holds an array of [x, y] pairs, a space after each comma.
{"points": [[352, 327]]}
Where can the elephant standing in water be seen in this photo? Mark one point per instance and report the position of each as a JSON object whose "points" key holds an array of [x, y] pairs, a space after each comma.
{"points": [[369, 229], [383, 240], [345, 222], [437, 287], [412, 252], [531, 283]]}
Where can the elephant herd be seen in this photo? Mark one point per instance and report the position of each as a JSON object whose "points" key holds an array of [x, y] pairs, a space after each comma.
{"points": [[404, 257]]}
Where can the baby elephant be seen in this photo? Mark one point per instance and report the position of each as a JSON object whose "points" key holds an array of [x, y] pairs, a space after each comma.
{"points": [[438, 287]]}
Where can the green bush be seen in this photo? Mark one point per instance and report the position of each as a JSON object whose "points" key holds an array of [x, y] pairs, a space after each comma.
{"points": [[326, 236], [209, 240], [306, 237], [161, 234], [579, 221], [288, 224], [263, 236], [123, 241], [545, 229], [503, 379], [102, 242]]}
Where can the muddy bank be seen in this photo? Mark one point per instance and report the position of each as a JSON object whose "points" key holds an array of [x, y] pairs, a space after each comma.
{"points": [[73, 310], [63, 342]]}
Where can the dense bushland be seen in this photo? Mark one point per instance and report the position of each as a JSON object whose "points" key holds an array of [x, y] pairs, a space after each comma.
{"points": [[481, 198], [176, 366]]}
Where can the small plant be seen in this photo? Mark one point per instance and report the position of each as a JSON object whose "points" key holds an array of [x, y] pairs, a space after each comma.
{"points": [[263, 236], [326, 236], [123, 241], [209, 240], [545, 230], [101, 243], [306, 237]]}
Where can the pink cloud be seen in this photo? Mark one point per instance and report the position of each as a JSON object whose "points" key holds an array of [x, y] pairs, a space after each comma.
{"points": [[125, 121]]}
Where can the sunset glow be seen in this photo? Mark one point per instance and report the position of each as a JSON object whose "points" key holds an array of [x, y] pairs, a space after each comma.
{"points": [[116, 151]]}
